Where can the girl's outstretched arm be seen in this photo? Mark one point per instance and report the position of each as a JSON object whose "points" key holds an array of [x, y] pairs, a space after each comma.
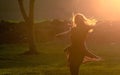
{"points": [[64, 33]]}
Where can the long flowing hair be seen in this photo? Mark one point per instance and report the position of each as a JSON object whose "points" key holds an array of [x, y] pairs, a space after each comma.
{"points": [[90, 22]]}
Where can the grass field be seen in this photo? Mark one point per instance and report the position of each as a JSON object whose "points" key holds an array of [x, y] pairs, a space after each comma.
{"points": [[52, 61]]}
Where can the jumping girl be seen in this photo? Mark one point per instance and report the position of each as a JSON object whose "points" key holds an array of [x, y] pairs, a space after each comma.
{"points": [[77, 53]]}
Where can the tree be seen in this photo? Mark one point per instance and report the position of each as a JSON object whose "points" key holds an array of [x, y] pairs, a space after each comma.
{"points": [[29, 21]]}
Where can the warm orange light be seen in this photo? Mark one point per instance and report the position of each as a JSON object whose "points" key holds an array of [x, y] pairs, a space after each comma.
{"points": [[91, 30], [111, 4], [108, 9]]}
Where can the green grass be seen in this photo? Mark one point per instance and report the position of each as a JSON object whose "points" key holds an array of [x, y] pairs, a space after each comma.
{"points": [[52, 61]]}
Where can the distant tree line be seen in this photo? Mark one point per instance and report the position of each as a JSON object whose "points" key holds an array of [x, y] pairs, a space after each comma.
{"points": [[17, 32], [12, 33]]}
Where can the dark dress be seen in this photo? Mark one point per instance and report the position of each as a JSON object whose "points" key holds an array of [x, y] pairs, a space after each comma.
{"points": [[77, 50]]}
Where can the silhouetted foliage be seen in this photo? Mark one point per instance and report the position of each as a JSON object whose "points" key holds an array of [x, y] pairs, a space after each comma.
{"points": [[12, 32], [45, 31], [18, 32]]}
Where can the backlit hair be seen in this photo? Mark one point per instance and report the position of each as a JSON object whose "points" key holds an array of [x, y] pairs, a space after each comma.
{"points": [[90, 22]]}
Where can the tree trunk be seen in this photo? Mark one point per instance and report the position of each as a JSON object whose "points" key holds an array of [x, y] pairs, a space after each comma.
{"points": [[21, 6], [31, 31], [29, 20]]}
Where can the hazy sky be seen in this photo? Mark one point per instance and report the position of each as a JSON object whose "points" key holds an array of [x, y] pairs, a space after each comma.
{"points": [[54, 9]]}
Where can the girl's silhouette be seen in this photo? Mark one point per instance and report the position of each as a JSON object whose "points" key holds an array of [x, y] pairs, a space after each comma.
{"points": [[77, 53]]}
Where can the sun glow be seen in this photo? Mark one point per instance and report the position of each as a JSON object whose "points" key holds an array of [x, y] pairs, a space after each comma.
{"points": [[109, 9], [113, 4]]}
